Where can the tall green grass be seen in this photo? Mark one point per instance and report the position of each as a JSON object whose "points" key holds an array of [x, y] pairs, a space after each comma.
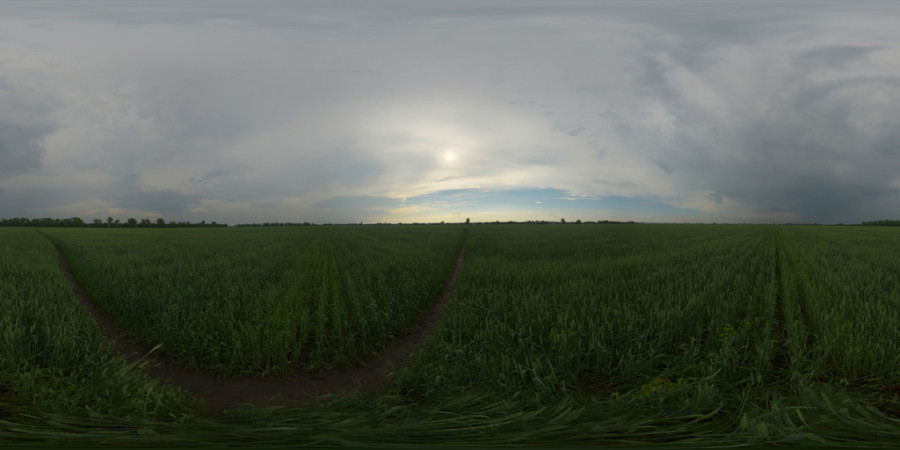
{"points": [[597, 310], [682, 332], [262, 301], [847, 281], [556, 335], [53, 357]]}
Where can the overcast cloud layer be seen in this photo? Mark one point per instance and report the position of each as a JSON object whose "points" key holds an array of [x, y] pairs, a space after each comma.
{"points": [[401, 111]]}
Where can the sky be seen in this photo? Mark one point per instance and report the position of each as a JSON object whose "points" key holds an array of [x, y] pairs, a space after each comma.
{"points": [[429, 111]]}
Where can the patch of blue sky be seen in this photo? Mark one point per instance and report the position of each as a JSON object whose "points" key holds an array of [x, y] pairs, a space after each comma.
{"points": [[538, 200]]}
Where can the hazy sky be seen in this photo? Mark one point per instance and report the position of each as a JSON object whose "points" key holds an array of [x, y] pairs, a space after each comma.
{"points": [[401, 111]]}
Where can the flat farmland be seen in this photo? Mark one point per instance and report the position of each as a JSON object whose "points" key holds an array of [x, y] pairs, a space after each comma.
{"points": [[262, 301], [554, 334]]}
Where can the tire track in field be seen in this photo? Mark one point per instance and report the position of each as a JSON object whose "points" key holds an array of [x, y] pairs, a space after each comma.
{"points": [[368, 378], [781, 359], [808, 333], [812, 336]]}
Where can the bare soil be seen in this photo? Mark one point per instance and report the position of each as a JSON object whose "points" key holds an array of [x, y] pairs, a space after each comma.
{"points": [[369, 378]]}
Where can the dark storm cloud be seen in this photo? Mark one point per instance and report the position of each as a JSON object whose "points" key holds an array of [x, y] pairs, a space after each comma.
{"points": [[161, 201], [834, 56], [716, 197], [813, 139], [818, 152], [209, 177], [20, 149], [23, 124], [37, 201]]}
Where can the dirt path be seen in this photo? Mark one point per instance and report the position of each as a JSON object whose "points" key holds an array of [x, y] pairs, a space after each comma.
{"points": [[368, 378]]}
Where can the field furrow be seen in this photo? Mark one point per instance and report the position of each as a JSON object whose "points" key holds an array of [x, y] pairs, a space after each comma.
{"points": [[369, 377], [569, 333], [247, 302]]}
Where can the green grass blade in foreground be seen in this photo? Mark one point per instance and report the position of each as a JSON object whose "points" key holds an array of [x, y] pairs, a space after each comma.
{"points": [[577, 334], [257, 301], [53, 358]]}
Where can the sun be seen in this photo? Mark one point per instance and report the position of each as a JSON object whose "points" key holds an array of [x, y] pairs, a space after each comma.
{"points": [[449, 156]]}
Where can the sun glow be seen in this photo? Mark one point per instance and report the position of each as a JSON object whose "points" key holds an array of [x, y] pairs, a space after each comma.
{"points": [[449, 156]]}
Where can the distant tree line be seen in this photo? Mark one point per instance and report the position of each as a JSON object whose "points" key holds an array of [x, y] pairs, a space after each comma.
{"points": [[883, 223], [275, 224], [328, 224], [550, 222], [77, 222], [497, 222]]}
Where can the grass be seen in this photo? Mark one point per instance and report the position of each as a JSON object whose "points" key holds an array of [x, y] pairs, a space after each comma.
{"points": [[619, 335], [53, 358], [262, 301]]}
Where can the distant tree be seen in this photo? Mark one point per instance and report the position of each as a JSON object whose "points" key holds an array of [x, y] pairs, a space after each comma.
{"points": [[77, 222], [467, 220], [44, 222], [563, 220], [882, 223], [15, 222]]}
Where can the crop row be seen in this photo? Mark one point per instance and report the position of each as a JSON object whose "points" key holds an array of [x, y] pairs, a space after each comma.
{"points": [[613, 330], [606, 309], [52, 353], [259, 301], [847, 284]]}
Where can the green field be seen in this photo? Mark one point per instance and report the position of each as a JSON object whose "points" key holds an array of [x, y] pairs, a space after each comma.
{"points": [[555, 334], [253, 301]]}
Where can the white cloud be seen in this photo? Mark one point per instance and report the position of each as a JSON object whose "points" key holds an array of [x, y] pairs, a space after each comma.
{"points": [[246, 112]]}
